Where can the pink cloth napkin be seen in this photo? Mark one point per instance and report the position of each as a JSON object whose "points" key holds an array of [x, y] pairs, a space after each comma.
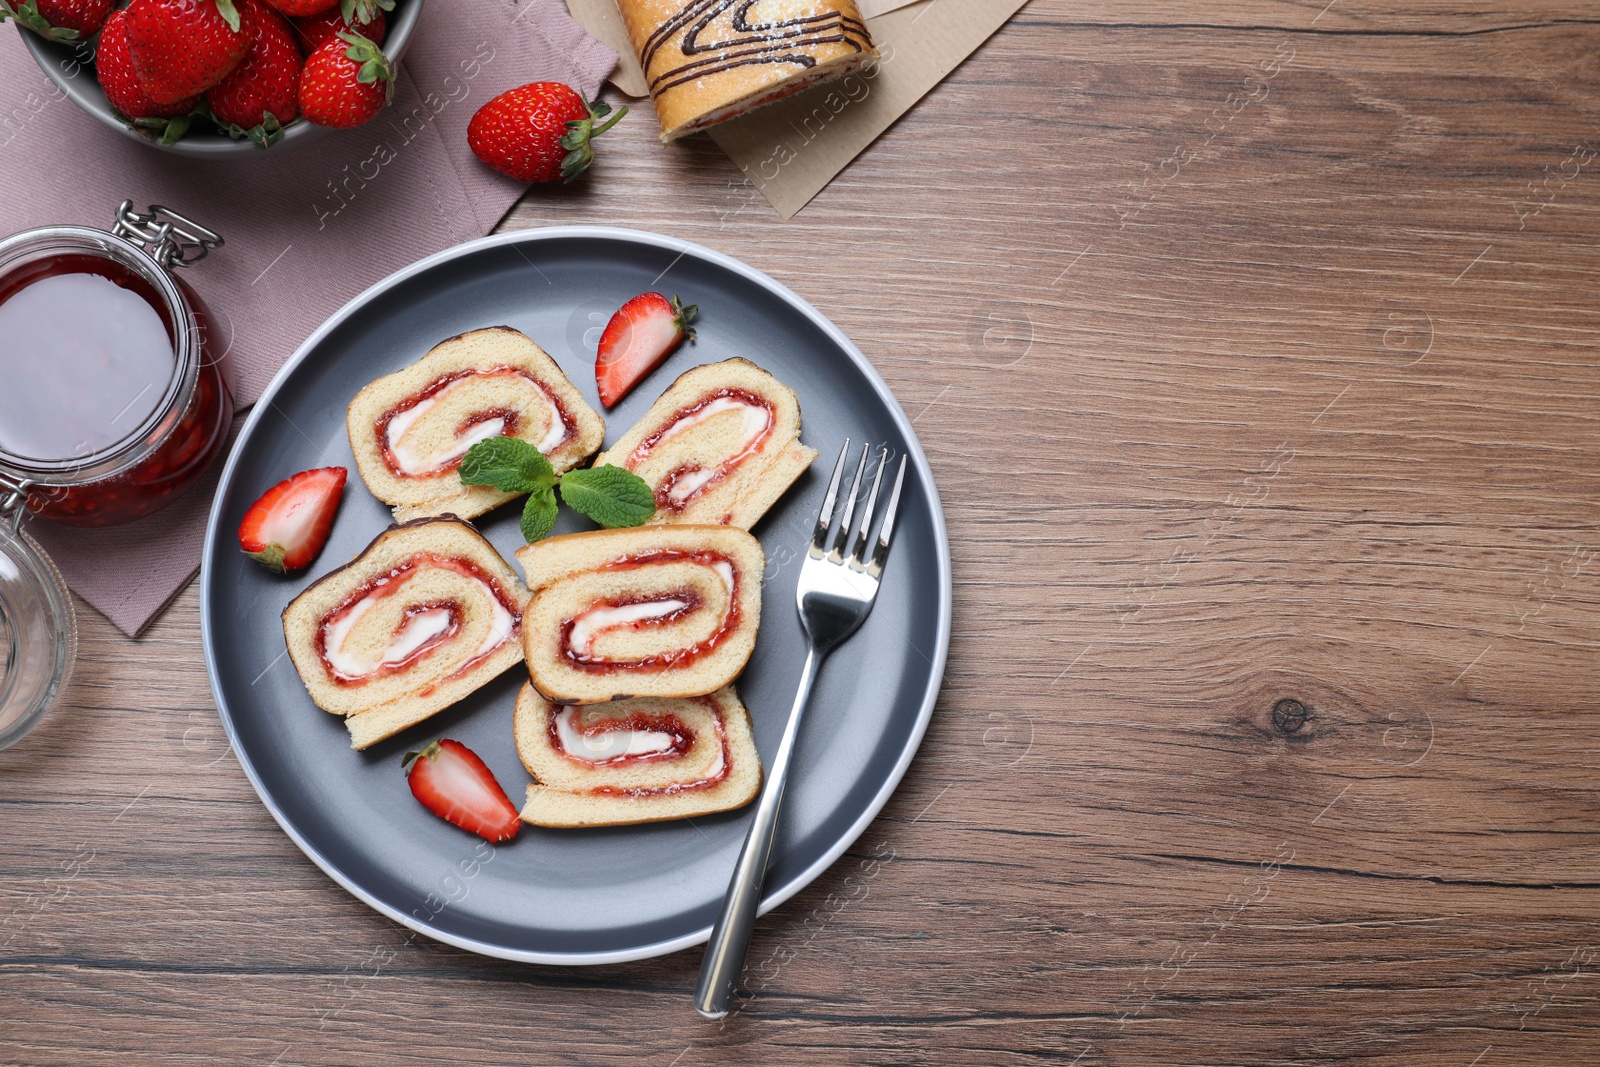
{"points": [[307, 226]]}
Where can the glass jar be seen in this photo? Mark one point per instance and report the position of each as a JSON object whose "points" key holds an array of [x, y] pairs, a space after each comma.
{"points": [[113, 402]]}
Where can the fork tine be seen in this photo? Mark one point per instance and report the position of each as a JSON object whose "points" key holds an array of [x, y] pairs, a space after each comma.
{"points": [[858, 549], [842, 537], [819, 537], [881, 552]]}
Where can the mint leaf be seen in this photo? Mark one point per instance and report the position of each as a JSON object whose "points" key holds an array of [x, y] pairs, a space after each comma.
{"points": [[609, 495], [508, 464], [539, 515]]}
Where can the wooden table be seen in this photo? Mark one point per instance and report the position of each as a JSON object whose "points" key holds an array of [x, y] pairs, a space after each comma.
{"points": [[1254, 348]]}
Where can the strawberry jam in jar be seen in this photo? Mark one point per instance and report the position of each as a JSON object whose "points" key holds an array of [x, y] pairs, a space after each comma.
{"points": [[112, 403], [113, 400]]}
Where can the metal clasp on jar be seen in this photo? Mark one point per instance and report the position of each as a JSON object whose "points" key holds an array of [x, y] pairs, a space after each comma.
{"points": [[170, 239], [14, 500]]}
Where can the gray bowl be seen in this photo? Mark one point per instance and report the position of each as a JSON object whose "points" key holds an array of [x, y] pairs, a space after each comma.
{"points": [[68, 66]]}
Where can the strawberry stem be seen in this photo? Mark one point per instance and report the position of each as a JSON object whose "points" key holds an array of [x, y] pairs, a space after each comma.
{"points": [[683, 315], [412, 757], [372, 64], [580, 132]]}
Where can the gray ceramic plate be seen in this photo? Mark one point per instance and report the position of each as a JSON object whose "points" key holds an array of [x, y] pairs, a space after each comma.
{"points": [[594, 896]]}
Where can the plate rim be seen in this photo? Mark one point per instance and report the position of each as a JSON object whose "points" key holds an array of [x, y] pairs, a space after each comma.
{"points": [[775, 896]]}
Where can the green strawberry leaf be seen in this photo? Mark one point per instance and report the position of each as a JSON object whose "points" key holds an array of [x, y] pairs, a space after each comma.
{"points": [[265, 134], [580, 132], [539, 515], [362, 11], [609, 495], [508, 464], [27, 14], [371, 64], [229, 13]]}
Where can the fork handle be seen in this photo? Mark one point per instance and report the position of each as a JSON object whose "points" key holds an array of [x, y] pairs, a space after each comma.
{"points": [[730, 937]]}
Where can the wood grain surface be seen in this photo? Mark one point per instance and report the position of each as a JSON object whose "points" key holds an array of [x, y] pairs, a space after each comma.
{"points": [[1254, 348]]}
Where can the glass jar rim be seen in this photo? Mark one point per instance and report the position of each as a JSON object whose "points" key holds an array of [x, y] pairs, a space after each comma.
{"points": [[130, 449]]}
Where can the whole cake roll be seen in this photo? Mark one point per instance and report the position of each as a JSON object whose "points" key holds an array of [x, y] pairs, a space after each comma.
{"points": [[721, 445], [711, 60], [665, 611], [426, 614], [641, 759], [409, 429]]}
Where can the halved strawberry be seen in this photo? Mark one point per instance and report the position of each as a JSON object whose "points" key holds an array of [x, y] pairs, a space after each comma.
{"points": [[454, 784], [639, 336], [288, 526]]}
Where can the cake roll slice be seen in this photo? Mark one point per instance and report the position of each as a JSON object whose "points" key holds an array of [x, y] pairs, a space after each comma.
{"points": [[641, 759], [425, 615], [660, 611], [707, 61], [410, 429], [721, 445]]}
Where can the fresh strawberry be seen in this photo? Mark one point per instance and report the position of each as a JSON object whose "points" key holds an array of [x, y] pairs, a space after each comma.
{"points": [[181, 48], [58, 20], [114, 68], [296, 8], [638, 337], [356, 16], [262, 95], [287, 527], [346, 81], [539, 132], [454, 784]]}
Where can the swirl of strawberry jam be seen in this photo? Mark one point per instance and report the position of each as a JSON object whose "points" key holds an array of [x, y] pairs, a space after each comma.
{"points": [[579, 633], [607, 741], [424, 627], [635, 739], [480, 425], [687, 481]]}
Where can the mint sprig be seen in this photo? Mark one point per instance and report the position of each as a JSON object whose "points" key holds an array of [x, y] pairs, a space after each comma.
{"points": [[609, 495]]}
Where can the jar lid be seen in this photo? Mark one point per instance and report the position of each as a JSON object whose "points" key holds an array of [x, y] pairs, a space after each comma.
{"points": [[38, 633]]}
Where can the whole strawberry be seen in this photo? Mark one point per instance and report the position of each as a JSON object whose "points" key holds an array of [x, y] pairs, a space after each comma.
{"points": [[262, 95], [114, 68], [182, 48], [297, 8], [355, 16], [346, 82], [539, 132], [58, 20]]}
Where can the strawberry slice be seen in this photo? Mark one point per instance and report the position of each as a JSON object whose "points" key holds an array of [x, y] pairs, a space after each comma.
{"points": [[639, 336], [454, 784], [287, 527]]}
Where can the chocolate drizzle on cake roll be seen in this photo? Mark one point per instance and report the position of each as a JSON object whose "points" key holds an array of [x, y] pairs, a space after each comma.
{"points": [[638, 759], [425, 615], [710, 60], [409, 430]]}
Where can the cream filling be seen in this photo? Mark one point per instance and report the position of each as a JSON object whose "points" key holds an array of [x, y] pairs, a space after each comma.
{"points": [[501, 623], [417, 631], [412, 462], [756, 420], [610, 744], [589, 625], [754, 424]]}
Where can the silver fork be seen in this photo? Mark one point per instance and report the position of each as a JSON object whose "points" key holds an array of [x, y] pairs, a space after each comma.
{"points": [[835, 595]]}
